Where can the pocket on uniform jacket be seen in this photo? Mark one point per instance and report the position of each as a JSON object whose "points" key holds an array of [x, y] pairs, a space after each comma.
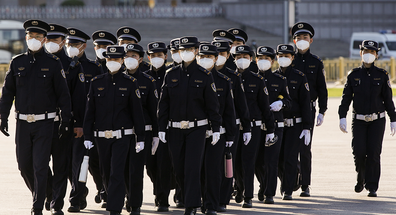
{"points": [[356, 86], [20, 78], [197, 89], [251, 92], [44, 78]]}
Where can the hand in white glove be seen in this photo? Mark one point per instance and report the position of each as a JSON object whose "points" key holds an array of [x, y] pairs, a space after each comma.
{"points": [[139, 146], [319, 119], [393, 128], [154, 145], [343, 125], [215, 137], [88, 144], [161, 136], [276, 106], [307, 136], [246, 137], [229, 143], [269, 137]]}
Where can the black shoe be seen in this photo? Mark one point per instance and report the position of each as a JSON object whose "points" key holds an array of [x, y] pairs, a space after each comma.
{"points": [[247, 203], [260, 195], [97, 198], [238, 197], [287, 197], [211, 212], [56, 212], [372, 193], [83, 202], [359, 187], [127, 206], [269, 200], [190, 211], [74, 209], [115, 213], [203, 209], [179, 205], [305, 193], [222, 208], [162, 208], [135, 211], [48, 205], [104, 205], [36, 212]]}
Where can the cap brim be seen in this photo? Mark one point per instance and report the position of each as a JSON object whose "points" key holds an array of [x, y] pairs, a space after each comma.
{"points": [[36, 30], [74, 41], [369, 47], [302, 31], [151, 51], [103, 43], [223, 49], [113, 55], [186, 46]]}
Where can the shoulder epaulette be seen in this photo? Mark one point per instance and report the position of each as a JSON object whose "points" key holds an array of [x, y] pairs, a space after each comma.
{"points": [[53, 56], [146, 63], [299, 72], [223, 76], [354, 70], [257, 75], [130, 77], [148, 76], [94, 62], [204, 70], [384, 71], [98, 77], [279, 75], [172, 68], [234, 72], [317, 57], [19, 55]]}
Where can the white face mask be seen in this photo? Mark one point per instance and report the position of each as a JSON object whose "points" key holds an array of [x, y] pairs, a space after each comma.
{"points": [[264, 65], [242, 63], [176, 57], [157, 62], [302, 44], [34, 44], [187, 56], [52, 47], [221, 60], [368, 58], [206, 63], [233, 49], [99, 53], [131, 63], [113, 66], [284, 61], [72, 51]]}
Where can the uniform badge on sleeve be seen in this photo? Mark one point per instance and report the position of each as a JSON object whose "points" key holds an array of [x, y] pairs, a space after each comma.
{"points": [[63, 73], [389, 84], [156, 93], [266, 91], [306, 86], [137, 93], [81, 76], [213, 87]]}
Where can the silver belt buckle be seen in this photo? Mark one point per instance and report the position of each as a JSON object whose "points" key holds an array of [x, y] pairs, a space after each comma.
{"points": [[184, 125], [287, 122], [108, 134], [30, 118], [368, 118]]}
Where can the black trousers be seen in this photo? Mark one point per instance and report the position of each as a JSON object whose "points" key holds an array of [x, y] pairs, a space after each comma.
{"points": [[367, 146], [306, 157], [136, 170], [61, 158], [159, 169], [267, 163], [95, 170], [291, 144], [187, 149], [78, 189], [212, 172], [33, 149], [113, 157], [226, 183], [245, 161]]}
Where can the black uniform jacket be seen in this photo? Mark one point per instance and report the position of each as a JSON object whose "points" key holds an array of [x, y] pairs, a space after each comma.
{"points": [[38, 83], [370, 91], [189, 94], [114, 103], [158, 76], [91, 69]]}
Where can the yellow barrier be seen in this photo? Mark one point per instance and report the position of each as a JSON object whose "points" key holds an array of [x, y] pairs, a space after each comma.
{"points": [[3, 70]]}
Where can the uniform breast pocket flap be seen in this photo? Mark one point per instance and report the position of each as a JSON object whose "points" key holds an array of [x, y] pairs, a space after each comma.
{"points": [[20, 76], [44, 77], [99, 94], [172, 84]]}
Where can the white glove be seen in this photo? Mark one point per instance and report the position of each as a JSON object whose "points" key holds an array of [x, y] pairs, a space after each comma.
{"points": [[88, 144], [161, 136], [215, 137], [276, 105], [154, 145], [307, 134], [319, 119], [393, 128], [229, 143], [269, 137], [139, 146], [343, 125], [246, 137]]}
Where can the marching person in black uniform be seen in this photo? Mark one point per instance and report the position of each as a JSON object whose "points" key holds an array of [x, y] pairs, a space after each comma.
{"points": [[76, 44], [174, 50], [257, 101], [213, 164], [279, 98], [187, 104], [149, 101], [61, 148], [159, 164], [38, 83], [297, 119], [113, 112], [370, 90], [127, 35], [102, 39], [241, 112], [312, 66]]}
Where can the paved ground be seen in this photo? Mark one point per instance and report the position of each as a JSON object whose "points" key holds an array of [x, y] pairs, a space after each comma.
{"points": [[333, 180]]}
